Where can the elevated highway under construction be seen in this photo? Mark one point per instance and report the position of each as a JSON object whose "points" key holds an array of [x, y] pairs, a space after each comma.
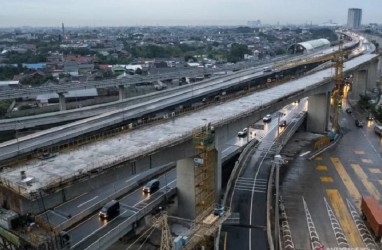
{"points": [[72, 173]]}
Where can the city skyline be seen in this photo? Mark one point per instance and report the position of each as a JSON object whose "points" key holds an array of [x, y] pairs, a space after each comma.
{"points": [[179, 12]]}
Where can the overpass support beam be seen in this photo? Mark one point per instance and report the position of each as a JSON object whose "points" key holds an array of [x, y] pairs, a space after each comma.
{"points": [[61, 98], [185, 182], [121, 90], [318, 113], [373, 75], [360, 83]]}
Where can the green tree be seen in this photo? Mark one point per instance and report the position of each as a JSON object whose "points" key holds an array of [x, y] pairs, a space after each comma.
{"points": [[237, 52]]}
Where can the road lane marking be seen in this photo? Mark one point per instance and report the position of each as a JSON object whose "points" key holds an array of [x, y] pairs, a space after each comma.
{"points": [[314, 238], [344, 217], [321, 168], [318, 158], [326, 179], [366, 161], [132, 178], [352, 190], [365, 181], [375, 170], [305, 153], [337, 229], [92, 199], [359, 152], [367, 237], [225, 240]]}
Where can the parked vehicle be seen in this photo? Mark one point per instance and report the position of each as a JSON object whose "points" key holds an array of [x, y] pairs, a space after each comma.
{"points": [[267, 118], [110, 210], [359, 123], [243, 132], [372, 213], [151, 186]]}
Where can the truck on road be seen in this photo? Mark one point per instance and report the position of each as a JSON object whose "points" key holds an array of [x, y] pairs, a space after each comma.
{"points": [[372, 213]]}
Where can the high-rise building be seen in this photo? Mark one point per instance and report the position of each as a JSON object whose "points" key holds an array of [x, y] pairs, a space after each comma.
{"points": [[354, 18]]}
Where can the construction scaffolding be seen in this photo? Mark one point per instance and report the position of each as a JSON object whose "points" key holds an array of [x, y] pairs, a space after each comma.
{"points": [[338, 59], [204, 171]]}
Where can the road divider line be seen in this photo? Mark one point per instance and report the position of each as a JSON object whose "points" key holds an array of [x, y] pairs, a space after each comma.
{"points": [[351, 188], [92, 199], [345, 219], [365, 181]]}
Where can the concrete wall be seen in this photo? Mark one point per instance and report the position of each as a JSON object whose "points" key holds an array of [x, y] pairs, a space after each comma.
{"points": [[185, 184], [318, 107]]}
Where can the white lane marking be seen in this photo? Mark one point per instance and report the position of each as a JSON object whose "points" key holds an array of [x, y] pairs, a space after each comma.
{"points": [[307, 152], [92, 199], [132, 178]]}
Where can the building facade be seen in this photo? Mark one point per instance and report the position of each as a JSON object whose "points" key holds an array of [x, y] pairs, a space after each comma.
{"points": [[354, 18]]}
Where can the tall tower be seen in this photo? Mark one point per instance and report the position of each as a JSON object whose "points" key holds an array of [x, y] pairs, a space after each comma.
{"points": [[63, 31], [354, 18]]}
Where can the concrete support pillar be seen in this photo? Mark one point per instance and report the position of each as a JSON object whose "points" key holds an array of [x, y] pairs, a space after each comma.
{"points": [[185, 181], [359, 84], [379, 67], [121, 90], [61, 98], [373, 76], [318, 113]]}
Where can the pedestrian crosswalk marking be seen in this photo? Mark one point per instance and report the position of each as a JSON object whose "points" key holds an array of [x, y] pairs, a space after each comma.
{"points": [[365, 181], [351, 188], [344, 217]]}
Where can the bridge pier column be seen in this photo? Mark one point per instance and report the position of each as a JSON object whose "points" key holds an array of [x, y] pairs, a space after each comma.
{"points": [[121, 90], [372, 75], [61, 98], [185, 182], [318, 113], [359, 84]]}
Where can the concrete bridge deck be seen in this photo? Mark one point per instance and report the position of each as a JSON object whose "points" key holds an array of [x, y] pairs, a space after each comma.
{"points": [[133, 144]]}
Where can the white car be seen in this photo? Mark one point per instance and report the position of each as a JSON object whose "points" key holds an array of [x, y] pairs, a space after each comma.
{"points": [[243, 132], [267, 118]]}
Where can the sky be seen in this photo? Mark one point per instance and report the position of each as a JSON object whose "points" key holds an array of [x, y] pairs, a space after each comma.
{"points": [[76, 13]]}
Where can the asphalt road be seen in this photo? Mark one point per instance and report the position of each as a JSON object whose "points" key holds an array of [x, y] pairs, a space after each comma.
{"points": [[326, 191], [250, 190], [129, 204]]}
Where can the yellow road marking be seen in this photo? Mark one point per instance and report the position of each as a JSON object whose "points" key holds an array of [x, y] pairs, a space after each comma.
{"points": [[359, 152], [366, 161], [225, 241], [368, 185], [375, 170], [318, 158], [326, 179], [352, 190], [321, 168], [344, 218]]}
